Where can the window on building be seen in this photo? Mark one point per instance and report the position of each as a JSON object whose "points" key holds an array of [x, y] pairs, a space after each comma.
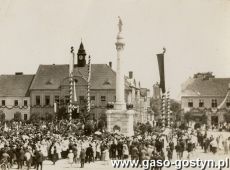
{"points": [[201, 103], [56, 99], [228, 103], [15, 102], [25, 117], [114, 98], [92, 98], [103, 98], [81, 99], [190, 103], [47, 100], [38, 100], [214, 102], [3, 102], [25, 103]]}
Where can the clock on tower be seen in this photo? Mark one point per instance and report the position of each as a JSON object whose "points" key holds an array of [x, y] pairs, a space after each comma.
{"points": [[81, 56]]}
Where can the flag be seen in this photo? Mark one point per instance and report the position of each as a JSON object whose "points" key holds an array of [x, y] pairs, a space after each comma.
{"points": [[160, 58]]}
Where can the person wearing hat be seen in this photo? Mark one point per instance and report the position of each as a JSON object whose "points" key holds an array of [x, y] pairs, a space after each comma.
{"points": [[89, 153]]}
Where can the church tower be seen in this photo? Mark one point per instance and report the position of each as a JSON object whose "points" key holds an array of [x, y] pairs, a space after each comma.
{"points": [[81, 61]]}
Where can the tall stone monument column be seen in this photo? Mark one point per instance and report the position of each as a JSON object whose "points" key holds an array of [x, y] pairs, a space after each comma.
{"points": [[120, 86], [119, 116]]}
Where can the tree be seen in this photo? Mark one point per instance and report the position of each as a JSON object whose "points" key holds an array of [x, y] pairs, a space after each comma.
{"points": [[175, 106], [149, 127], [89, 127], [49, 117], [62, 113], [204, 119], [155, 105], [116, 128], [2, 116], [35, 117], [143, 128], [17, 116], [187, 116], [101, 124], [183, 126], [227, 117]]}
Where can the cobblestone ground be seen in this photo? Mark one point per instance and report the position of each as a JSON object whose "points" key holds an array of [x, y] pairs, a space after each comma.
{"points": [[100, 165]]}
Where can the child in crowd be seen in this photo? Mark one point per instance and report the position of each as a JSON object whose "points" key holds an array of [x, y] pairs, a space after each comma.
{"points": [[70, 157]]}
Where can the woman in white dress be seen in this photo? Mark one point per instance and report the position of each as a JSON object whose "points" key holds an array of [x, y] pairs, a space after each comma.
{"points": [[106, 152]]}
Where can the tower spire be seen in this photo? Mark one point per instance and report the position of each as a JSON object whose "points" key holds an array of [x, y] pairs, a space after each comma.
{"points": [[81, 61]]}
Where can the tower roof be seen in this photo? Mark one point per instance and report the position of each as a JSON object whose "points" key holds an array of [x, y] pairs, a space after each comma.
{"points": [[81, 50]]}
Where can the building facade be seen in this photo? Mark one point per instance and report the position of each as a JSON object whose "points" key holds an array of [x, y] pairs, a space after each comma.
{"points": [[206, 95], [14, 96], [51, 85]]}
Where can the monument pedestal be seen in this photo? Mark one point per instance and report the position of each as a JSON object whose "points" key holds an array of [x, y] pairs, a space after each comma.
{"points": [[122, 119]]}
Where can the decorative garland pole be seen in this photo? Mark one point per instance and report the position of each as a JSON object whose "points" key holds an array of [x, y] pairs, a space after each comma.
{"points": [[71, 86], [88, 85], [168, 109], [163, 110]]}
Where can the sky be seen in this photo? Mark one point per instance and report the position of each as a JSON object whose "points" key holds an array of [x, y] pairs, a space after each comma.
{"points": [[195, 33]]}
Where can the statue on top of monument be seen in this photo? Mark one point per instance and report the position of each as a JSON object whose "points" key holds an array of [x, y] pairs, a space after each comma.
{"points": [[120, 24]]}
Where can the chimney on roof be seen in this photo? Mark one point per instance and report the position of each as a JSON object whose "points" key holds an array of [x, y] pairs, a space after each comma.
{"points": [[19, 73], [110, 64], [130, 74]]}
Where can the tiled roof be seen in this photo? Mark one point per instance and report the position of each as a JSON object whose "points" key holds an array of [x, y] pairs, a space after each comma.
{"points": [[51, 76], [205, 87], [15, 85], [49, 73]]}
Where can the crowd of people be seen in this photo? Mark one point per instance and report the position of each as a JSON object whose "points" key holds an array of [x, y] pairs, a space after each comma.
{"points": [[29, 145]]}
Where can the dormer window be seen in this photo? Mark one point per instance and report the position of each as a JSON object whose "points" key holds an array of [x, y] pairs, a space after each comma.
{"points": [[50, 81], [107, 82]]}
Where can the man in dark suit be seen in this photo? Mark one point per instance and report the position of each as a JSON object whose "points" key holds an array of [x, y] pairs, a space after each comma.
{"points": [[21, 158], [89, 153], [82, 157]]}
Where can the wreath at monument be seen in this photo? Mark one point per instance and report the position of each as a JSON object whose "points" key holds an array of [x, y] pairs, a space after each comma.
{"points": [[116, 128]]}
